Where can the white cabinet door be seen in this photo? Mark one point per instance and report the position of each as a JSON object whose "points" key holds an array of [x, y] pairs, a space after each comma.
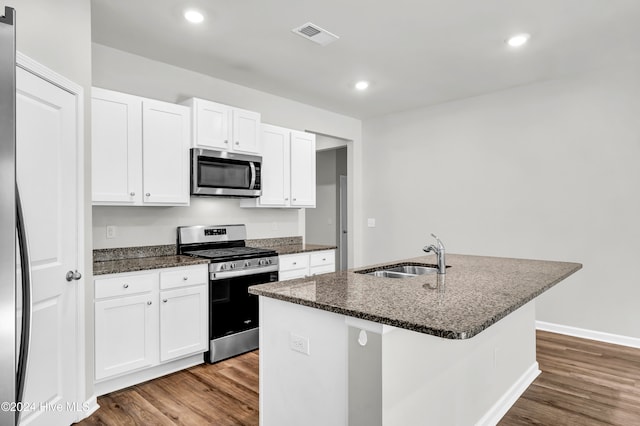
{"points": [[303, 169], [183, 322], [48, 178], [126, 334], [246, 131], [116, 147], [275, 167], [165, 142], [211, 124]]}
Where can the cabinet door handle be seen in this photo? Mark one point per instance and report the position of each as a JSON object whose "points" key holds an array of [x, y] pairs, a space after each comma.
{"points": [[286, 199], [324, 259], [148, 194], [295, 263], [132, 193], [226, 141], [125, 285], [185, 278], [237, 143], [164, 300], [294, 199], [149, 302]]}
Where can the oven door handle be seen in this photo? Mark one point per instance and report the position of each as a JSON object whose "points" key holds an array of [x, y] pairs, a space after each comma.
{"points": [[241, 273]]}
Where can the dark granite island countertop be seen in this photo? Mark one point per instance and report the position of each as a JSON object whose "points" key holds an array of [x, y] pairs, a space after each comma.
{"points": [[476, 293]]}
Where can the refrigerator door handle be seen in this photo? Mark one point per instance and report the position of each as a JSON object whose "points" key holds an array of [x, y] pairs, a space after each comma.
{"points": [[25, 266]]}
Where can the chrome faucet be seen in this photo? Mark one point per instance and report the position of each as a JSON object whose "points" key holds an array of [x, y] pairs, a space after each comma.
{"points": [[439, 251]]}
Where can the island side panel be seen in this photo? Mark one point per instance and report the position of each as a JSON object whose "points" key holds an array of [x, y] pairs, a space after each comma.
{"points": [[433, 381], [298, 388]]}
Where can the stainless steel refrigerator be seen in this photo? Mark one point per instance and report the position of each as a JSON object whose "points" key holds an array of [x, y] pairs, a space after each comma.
{"points": [[15, 310]]}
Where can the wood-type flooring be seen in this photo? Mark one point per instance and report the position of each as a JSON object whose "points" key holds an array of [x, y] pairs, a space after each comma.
{"points": [[583, 383]]}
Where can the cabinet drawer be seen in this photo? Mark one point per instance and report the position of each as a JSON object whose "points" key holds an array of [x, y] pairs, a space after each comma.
{"points": [[323, 269], [184, 277], [322, 258], [294, 261], [292, 275], [124, 285]]}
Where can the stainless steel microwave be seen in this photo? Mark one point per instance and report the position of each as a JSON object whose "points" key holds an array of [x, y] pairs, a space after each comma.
{"points": [[227, 174]]}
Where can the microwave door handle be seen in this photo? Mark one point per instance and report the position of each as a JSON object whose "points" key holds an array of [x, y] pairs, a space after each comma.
{"points": [[253, 174]]}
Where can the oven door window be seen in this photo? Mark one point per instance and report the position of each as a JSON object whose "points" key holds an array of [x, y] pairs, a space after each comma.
{"points": [[224, 173], [232, 309]]}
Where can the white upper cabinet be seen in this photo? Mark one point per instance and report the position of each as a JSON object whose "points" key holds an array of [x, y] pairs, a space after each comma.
{"points": [[275, 166], [288, 169], [165, 142], [224, 128], [116, 125], [140, 150], [303, 169]]}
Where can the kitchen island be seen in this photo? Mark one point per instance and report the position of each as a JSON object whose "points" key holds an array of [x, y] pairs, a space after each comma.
{"points": [[352, 348]]}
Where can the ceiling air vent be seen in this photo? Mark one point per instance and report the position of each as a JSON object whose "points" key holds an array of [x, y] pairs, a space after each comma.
{"points": [[315, 33]]}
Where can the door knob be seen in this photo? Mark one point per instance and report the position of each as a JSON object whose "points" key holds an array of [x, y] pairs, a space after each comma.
{"points": [[73, 275]]}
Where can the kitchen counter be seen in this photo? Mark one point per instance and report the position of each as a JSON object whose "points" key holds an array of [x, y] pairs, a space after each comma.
{"points": [[130, 259], [453, 349], [144, 263], [476, 293], [288, 245]]}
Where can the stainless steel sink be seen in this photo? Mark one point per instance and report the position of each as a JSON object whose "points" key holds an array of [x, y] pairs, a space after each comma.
{"points": [[402, 270], [413, 269]]}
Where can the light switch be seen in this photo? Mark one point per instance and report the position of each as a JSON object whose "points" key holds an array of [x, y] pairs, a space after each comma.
{"points": [[371, 222]]}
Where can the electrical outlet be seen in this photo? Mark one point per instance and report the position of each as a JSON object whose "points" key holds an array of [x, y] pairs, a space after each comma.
{"points": [[111, 231], [299, 344], [371, 222]]}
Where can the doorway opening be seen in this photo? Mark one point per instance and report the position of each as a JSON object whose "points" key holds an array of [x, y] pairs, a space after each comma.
{"points": [[327, 223]]}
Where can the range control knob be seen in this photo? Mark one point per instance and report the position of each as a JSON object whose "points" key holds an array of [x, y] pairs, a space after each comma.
{"points": [[262, 262], [223, 267], [247, 263], [232, 266]]}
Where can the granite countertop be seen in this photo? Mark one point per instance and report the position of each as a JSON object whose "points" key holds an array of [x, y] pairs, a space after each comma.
{"points": [[476, 292], [144, 263], [130, 259], [288, 245]]}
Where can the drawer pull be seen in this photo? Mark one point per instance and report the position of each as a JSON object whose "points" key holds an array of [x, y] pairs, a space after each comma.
{"points": [[125, 285], [149, 302], [185, 278], [164, 300], [324, 259], [295, 263]]}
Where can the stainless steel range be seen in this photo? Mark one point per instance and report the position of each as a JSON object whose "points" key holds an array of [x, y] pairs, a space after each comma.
{"points": [[233, 268]]}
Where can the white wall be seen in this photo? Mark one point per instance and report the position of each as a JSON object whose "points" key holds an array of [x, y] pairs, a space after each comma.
{"points": [[546, 171], [121, 71], [57, 34], [320, 222]]}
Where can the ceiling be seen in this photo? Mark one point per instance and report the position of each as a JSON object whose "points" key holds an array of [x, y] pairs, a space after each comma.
{"points": [[414, 52]]}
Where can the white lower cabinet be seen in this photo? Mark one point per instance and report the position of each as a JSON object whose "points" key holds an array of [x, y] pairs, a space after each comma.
{"points": [[146, 319], [182, 331], [301, 265]]}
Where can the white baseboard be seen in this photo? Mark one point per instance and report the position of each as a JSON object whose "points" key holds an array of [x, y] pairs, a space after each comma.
{"points": [[500, 408], [616, 339], [89, 407]]}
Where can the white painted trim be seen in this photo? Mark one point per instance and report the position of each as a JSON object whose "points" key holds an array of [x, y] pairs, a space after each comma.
{"points": [[600, 336], [500, 408], [124, 381], [37, 69], [89, 407]]}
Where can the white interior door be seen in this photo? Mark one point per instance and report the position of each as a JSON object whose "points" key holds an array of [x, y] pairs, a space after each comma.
{"points": [[47, 167]]}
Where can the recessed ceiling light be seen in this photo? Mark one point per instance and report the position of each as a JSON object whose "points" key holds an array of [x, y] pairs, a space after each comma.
{"points": [[362, 85], [518, 40], [193, 16]]}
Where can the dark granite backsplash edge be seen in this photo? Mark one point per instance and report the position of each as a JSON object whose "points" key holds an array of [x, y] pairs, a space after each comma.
{"points": [[121, 253]]}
